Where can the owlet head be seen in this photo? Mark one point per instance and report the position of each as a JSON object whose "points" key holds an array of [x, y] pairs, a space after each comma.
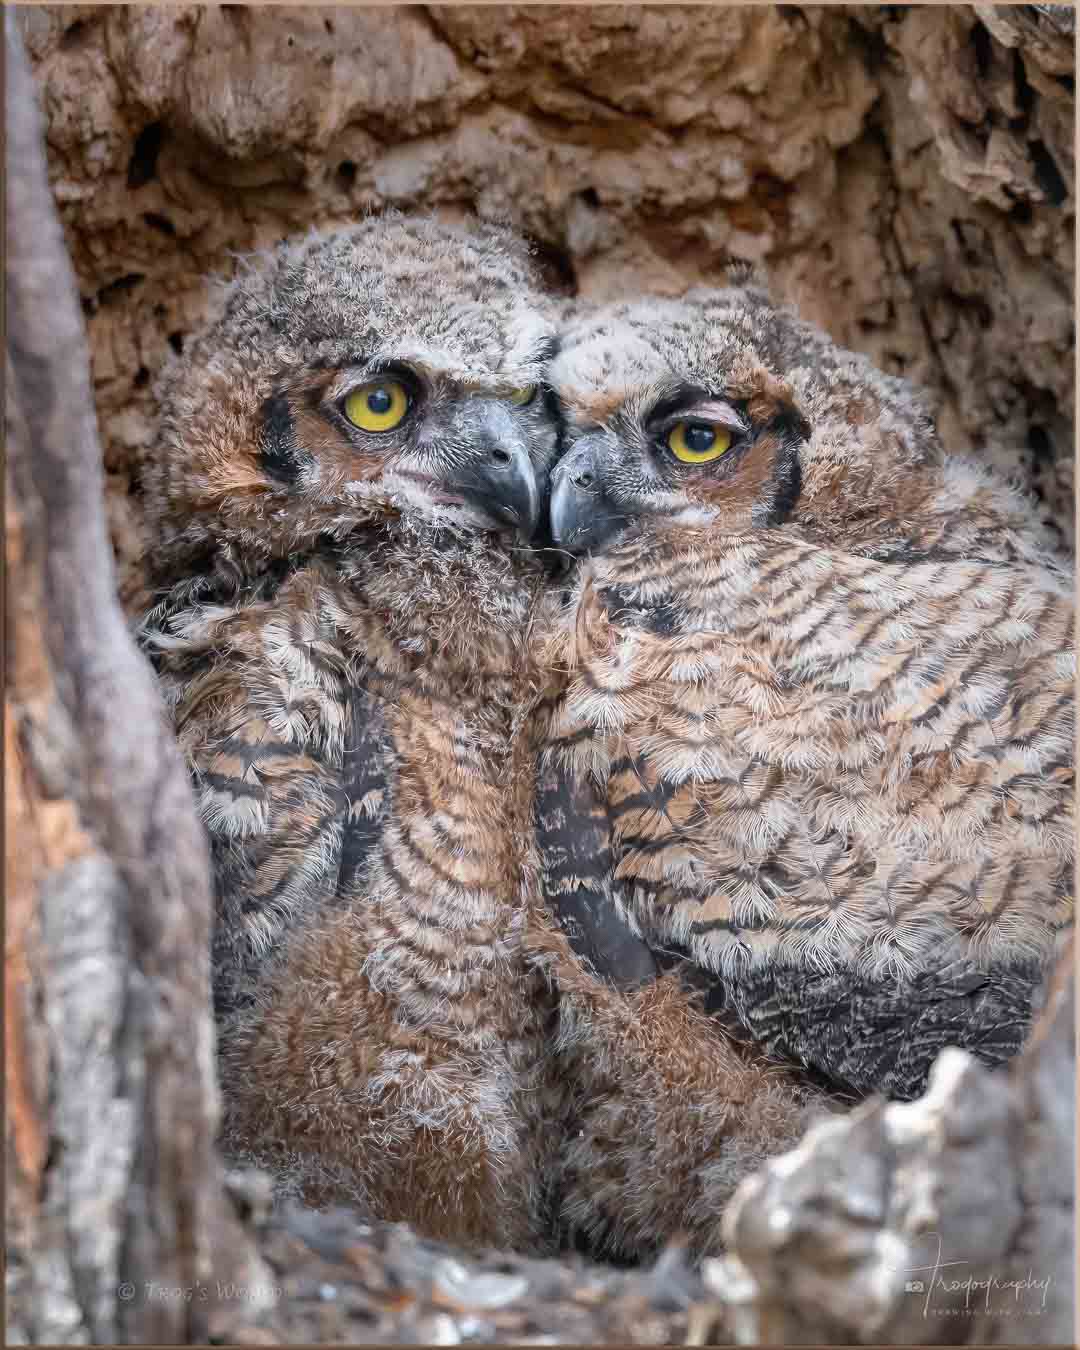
{"points": [[718, 408], [390, 369]]}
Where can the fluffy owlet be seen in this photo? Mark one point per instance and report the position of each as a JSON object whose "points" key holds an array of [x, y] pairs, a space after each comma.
{"points": [[353, 459], [813, 738]]}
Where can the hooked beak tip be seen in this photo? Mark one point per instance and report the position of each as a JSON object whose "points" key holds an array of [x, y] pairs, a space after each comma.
{"points": [[504, 487]]}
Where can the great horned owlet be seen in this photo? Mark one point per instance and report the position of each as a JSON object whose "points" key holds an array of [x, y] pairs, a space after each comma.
{"points": [[353, 458], [812, 740]]}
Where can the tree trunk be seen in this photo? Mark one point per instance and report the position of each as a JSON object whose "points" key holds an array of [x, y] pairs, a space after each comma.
{"points": [[114, 1189]]}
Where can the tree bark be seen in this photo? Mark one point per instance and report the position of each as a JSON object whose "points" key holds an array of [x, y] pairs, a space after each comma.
{"points": [[114, 1189]]}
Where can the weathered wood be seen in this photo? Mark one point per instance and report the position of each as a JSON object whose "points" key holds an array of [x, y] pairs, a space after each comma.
{"points": [[947, 1220], [110, 1076]]}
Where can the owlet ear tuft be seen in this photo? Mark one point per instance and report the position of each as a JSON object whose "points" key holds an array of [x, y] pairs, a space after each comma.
{"points": [[764, 393]]}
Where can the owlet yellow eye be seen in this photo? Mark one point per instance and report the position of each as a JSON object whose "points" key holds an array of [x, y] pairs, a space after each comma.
{"points": [[519, 397], [698, 443], [378, 406]]}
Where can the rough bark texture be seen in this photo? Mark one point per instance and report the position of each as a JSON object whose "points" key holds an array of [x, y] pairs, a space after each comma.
{"points": [[905, 174], [112, 1175]]}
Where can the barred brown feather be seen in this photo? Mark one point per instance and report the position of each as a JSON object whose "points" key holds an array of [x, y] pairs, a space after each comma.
{"points": [[811, 706], [340, 631]]}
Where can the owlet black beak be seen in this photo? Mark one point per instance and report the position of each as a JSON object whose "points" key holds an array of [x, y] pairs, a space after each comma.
{"points": [[583, 517], [501, 481]]}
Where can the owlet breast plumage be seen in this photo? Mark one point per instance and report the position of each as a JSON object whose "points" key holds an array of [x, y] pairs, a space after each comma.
{"points": [[353, 457]]}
